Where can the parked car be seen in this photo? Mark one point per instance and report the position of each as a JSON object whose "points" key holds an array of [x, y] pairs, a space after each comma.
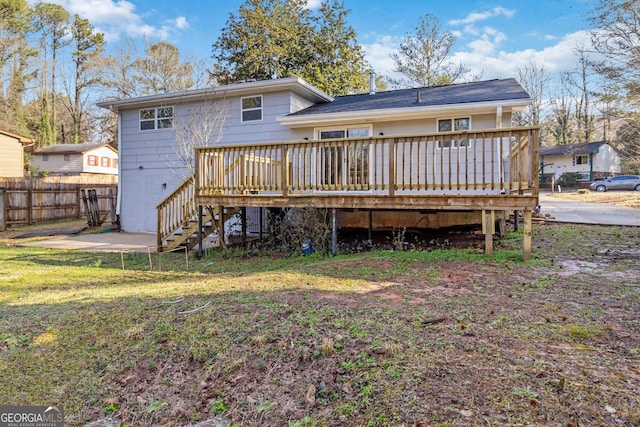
{"points": [[621, 182]]}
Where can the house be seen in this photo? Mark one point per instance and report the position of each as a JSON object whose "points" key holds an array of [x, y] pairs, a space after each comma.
{"points": [[579, 163], [73, 159], [418, 155], [12, 149]]}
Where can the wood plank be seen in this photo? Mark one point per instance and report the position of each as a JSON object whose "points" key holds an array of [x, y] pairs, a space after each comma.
{"points": [[527, 234], [369, 201]]}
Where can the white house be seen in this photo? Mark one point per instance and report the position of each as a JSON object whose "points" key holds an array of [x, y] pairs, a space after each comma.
{"points": [[72, 159], [12, 148], [290, 109], [582, 162]]}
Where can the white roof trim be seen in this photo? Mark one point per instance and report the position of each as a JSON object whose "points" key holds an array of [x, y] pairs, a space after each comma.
{"points": [[391, 114], [295, 84]]}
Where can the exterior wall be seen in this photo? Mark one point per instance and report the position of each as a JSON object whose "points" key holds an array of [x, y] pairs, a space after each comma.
{"points": [[77, 163], [107, 161], [150, 169], [57, 164], [607, 161], [11, 157]]}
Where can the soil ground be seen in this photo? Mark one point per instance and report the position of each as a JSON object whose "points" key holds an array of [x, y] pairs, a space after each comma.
{"points": [[413, 337]]}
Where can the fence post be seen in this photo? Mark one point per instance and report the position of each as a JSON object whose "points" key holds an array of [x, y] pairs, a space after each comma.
{"points": [[3, 205]]}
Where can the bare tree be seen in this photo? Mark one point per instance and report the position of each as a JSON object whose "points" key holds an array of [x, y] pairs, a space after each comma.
{"points": [[577, 84], [201, 125], [535, 80], [424, 58], [561, 128]]}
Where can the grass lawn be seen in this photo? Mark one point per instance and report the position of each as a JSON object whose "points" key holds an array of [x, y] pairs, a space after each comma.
{"points": [[433, 338], [630, 199]]}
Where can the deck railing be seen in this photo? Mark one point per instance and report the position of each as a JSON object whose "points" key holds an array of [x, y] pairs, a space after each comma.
{"points": [[175, 209], [487, 162]]}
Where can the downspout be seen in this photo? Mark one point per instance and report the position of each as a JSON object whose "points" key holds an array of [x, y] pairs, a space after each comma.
{"points": [[119, 195]]}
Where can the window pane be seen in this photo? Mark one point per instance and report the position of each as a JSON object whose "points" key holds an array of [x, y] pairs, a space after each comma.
{"points": [[147, 125], [148, 114], [356, 133], [248, 116], [328, 134], [462, 124], [165, 112], [444, 125], [254, 102], [164, 123]]}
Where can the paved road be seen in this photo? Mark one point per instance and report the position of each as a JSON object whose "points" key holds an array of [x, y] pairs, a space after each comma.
{"points": [[588, 212]]}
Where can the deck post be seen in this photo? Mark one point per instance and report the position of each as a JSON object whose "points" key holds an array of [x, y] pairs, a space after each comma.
{"points": [[393, 158], [200, 232], [220, 222], [527, 234], [285, 170], [488, 233], [243, 212], [334, 232], [370, 231]]}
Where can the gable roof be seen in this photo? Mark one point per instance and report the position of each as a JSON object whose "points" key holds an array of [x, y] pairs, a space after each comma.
{"points": [[27, 143], [404, 103], [294, 84], [71, 148], [572, 149]]}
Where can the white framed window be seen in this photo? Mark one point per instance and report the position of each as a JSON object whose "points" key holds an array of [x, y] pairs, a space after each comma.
{"points": [[67, 157], [251, 108], [453, 125], [345, 164], [105, 162], [581, 160], [156, 118], [92, 160]]}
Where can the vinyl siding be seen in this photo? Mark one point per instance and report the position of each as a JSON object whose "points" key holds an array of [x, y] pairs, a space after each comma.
{"points": [[77, 163], [11, 157]]}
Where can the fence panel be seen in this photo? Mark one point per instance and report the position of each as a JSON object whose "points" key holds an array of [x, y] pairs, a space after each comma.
{"points": [[32, 200]]}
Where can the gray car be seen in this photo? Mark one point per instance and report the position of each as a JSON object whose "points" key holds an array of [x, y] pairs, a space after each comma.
{"points": [[621, 182]]}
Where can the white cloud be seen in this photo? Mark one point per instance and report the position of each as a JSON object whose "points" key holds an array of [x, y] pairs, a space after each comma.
{"points": [[484, 56], [314, 4], [181, 23], [474, 17], [119, 17], [500, 64]]}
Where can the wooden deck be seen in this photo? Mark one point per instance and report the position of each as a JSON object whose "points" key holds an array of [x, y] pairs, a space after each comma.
{"points": [[487, 170]]}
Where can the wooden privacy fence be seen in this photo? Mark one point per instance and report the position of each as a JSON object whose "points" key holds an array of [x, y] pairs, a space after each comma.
{"points": [[39, 199]]}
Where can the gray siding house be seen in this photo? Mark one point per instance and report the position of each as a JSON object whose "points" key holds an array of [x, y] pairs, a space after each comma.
{"points": [[462, 146], [583, 163]]}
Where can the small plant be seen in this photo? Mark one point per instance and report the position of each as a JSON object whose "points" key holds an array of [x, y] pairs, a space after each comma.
{"points": [[218, 407], [304, 422], [399, 239], [110, 408]]}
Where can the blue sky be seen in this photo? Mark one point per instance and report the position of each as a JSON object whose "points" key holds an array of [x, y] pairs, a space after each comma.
{"points": [[493, 37]]}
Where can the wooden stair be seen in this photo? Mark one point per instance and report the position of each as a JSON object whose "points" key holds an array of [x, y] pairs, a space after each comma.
{"points": [[178, 219]]}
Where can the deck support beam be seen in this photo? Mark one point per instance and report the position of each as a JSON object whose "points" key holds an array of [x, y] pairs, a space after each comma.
{"points": [[200, 237], [527, 234], [488, 232]]}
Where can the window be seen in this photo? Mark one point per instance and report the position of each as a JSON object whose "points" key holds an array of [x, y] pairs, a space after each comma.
{"points": [[251, 108], [583, 176], [156, 118], [114, 163], [449, 125], [67, 157], [92, 160], [45, 157], [581, 160], [105, 162], [345, 164]]}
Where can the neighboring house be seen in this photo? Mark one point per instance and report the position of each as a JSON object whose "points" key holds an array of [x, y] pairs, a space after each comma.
{"points": [[12, 149], [580, 163], [73, 159], [272, 149]]}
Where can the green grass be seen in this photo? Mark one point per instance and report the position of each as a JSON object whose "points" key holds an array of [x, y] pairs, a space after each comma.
{"points": [[380, 338]]}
